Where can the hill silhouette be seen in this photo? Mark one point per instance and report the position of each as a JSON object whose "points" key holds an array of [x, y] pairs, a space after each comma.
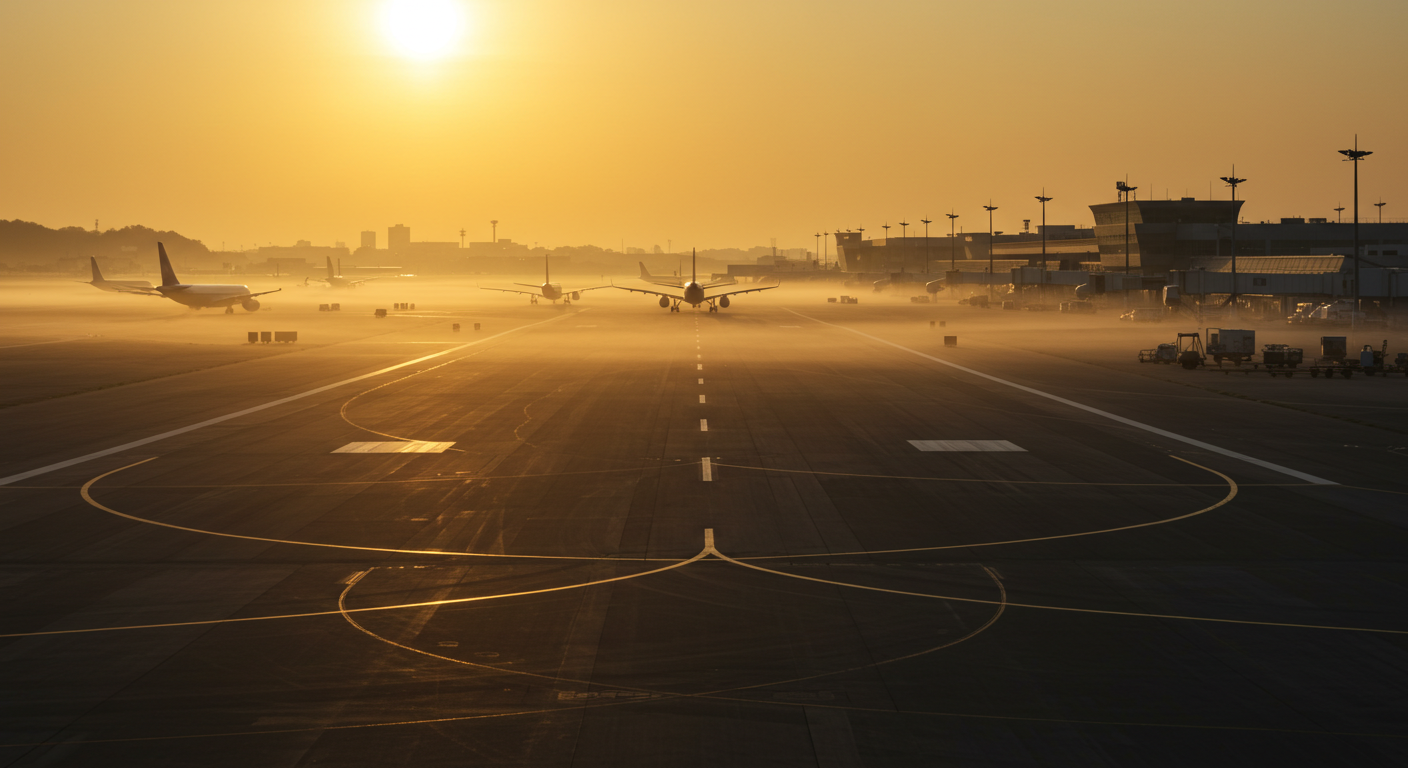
{"points": [[25, 242]]}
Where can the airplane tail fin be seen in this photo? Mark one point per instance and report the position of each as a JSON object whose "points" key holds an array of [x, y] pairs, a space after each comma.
{"points": [[693, 266], [331, 275], [168, 275], [547, 270], [644, 273], [97, 273]]}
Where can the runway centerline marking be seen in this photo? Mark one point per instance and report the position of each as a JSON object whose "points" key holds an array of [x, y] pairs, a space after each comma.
{"points": [[701, 400], [703, 425], [708, 469], [1088, 409], [255, 409]]}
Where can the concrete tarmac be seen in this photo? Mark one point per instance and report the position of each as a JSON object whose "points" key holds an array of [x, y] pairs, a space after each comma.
{"points": [[571, 585]]}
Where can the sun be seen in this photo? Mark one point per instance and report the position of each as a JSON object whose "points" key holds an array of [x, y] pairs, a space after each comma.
{"points": [[422, 29]]}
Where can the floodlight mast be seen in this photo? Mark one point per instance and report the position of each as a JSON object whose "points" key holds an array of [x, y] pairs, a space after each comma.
{"points": [[1339, 214], [1233, 181], [990, 208], [1043, 199], [952, 241], [1380, 205], [926, 223], [1124, 190], [1355, 156]]}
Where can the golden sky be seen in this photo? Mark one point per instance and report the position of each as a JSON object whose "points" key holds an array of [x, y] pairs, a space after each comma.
{"points": [[713, 124]]}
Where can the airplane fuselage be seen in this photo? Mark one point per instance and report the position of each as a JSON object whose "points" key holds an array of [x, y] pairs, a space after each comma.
{"points": [[551, 291], [198, 296], [693, 293]]}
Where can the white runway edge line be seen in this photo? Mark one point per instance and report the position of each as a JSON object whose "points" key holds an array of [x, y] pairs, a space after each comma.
{"points": [[272, 404], [1088, 409]]}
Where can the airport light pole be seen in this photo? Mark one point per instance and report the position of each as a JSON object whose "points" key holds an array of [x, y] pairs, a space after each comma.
{"points": [[1339, 215], [904, 258], [1125, 189], [1380, 205], [1233, 181], [495, 225], [989, 208], [926, 224], [818, 241], [462, 233], [952, 242], [1043, 199], [1355, 156]]}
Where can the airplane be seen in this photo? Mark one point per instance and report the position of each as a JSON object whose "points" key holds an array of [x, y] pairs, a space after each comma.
{"points": [[548, 290], [116, 286], [676, 281], [693, 292], [335, 280], [198, 296]]}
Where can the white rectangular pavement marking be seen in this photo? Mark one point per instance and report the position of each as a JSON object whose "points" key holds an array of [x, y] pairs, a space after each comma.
{"points": [[708, 469], [699, 366], [403, 446], [980, 446], [701, 399], [1309, 478], [271, 404], [701, 381], [703, 425]]}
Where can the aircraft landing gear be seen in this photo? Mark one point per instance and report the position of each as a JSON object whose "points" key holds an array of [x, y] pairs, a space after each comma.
{"points": [[532, 299], [229, 310]]}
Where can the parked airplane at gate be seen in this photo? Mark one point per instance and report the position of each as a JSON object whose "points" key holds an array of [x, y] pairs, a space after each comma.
{"points": [[198, 296], [116, 286], [335, 280], [548, 290], [693, 291]]}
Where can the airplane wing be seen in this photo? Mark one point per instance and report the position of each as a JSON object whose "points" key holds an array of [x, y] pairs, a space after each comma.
{"points": [[746, 290], [676, 296], [584, 290], [363, 280], [511, 290], [139, 291], [717, 283]]}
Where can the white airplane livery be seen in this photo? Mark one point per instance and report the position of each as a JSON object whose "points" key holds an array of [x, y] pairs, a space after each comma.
{"points": [[693, 292], [548, 290], [198, 296], [117, 286]]}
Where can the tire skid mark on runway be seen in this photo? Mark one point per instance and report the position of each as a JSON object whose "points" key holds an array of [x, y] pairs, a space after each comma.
{"points": [[257, 408], [1088, 409], [85, 491], [1231, 485]]}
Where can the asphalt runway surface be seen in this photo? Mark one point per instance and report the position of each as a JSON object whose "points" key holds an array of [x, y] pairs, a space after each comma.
{"points": [[699, 539]]}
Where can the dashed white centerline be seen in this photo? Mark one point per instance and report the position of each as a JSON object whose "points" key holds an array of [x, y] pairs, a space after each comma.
{"points": [[700, 367], [701, 399], [708, 469], [701, 381], [703, 425]]}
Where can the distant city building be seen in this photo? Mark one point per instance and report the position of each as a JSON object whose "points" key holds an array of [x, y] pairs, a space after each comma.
{"points": [[1066, 245], [369, 239], [398, 237]]}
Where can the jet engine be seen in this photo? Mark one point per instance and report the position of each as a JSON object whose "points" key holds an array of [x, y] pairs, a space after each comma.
{"points": [[934, 286], [723, 302], [576, 295], [1084, 291], [664, 302], [250, 305]]}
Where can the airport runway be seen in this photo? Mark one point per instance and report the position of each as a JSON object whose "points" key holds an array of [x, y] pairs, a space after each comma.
{"points": [[696, 539]]}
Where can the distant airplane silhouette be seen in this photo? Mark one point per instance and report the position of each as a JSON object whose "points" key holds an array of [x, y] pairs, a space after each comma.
{"points": [[548, 290], [693, 293], [116, 286], [200, 296]]}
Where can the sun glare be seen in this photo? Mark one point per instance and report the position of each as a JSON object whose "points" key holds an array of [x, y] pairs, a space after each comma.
{"points": [[422, 29]]}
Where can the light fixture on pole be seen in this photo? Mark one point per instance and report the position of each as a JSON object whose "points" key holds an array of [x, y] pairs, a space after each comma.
{"points": [[818, 243], [990, 208], [1124, 192], [1233, 181], [1355, 156], [1380, 205], [926, 224], [1043, 199], [1339, 215], [952, 241], [495, 225]]}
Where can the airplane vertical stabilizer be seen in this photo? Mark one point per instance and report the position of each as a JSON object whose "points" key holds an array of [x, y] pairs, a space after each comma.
{"points": [[693, 266], [97, 273], [168, 275], [331, 275]]}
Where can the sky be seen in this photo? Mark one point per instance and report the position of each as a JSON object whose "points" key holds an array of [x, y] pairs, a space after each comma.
{"points": [[718, 124]]}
